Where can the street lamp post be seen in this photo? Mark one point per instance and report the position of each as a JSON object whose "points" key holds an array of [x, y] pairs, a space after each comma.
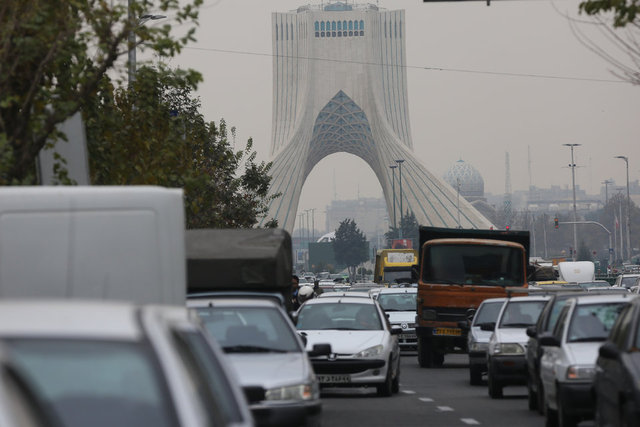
{"points": [[399, 162], [458, 200], [572, 165], [626, 161], [393, 186], [132, 37], [606, 183]]}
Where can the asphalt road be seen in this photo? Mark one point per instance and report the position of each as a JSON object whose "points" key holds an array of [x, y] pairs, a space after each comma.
{"points": [[433, 397]]}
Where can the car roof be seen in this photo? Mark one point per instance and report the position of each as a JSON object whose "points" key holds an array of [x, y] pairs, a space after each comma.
{"points": [[609, 297], [230, 302], [70, 318], [344, 294], [347, 298], [399, 291], [530, 298], [490, 300]]}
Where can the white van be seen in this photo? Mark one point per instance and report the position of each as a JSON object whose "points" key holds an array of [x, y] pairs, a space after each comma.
{"points": [[123, 243], [577, 271]]}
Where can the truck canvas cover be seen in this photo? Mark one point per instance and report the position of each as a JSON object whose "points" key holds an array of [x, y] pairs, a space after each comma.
{"points": [[431, 233], [239, 260]]}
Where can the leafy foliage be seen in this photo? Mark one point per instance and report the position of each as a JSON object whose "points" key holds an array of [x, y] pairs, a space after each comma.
{"points": [[624, 11], [350, 245], [410, 230], [54, 54], [153, 134]]}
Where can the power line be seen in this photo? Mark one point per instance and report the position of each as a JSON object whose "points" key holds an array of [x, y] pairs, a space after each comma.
{"points": [[445, 69]]}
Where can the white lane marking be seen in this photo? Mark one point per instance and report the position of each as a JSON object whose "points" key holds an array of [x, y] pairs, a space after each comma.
{"points": [[444, 408], [425, 399], [470, 421], [408, 392]]}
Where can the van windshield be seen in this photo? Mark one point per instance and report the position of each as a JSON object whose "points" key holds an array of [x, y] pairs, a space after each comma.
{"points": [[473, 265]]}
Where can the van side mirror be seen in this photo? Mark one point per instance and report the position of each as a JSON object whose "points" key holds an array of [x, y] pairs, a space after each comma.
{"points": [[464, 325], [488, 326], [320, 350], [532, 332], [609, 351]]}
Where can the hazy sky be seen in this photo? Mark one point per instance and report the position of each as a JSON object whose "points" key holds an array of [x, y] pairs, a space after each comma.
{"points": [[471, 109]]}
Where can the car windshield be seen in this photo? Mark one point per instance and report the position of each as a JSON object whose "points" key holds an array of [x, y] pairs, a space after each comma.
{"points": [[339, 315], [520, 314], [488, 312], [95, 383], [249, 329], [628, 281], [593, 322], [474, 265], [398, 302], [397, 274]]}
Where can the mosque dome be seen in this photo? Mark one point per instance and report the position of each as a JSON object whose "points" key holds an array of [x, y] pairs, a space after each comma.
{"points": [[469, 179]]}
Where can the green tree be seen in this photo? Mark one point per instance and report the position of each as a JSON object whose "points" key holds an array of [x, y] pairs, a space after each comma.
{"points": [[350, 246], [153, 134], [410, 230], [54, 55]]}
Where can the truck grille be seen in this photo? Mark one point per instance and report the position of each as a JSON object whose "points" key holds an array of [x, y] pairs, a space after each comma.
{"points": [[449, 314]]}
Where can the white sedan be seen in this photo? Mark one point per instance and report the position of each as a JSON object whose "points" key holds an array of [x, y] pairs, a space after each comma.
{"points": [[365, 350]]}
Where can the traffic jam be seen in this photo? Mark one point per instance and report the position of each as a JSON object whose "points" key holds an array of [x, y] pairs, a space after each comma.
{"points": [[124, 318]]}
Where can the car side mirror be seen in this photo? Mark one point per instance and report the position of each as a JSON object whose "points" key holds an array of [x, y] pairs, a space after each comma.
{"points": [[532, 332], [549, 341], [464, 325], [304, 338], [488, 326], [320, 350], [609, 351]]}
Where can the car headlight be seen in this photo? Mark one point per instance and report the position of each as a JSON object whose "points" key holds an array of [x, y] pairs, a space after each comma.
{"points": [[478, 346], [508, 348], [577, 372], [293, 392], [374, 351]]}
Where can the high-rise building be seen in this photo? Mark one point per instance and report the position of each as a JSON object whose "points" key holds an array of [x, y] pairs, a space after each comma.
{"points": [[340, 85]]}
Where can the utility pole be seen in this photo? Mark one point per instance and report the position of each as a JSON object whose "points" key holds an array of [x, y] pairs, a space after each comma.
{"points": [[393, 186], [544, 233], [626, 161], [572, 165], [606, 183], [400, 162], [313, 224]]}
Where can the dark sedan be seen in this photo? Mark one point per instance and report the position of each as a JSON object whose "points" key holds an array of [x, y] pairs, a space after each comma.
{"points": [[617, 380]]}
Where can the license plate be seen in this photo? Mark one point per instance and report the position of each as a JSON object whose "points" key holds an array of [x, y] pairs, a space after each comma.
{"points": [[333, 379], [408, 336], [448, 331]]}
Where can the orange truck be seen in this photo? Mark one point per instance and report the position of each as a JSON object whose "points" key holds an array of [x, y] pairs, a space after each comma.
{"points": [[459, 269]]}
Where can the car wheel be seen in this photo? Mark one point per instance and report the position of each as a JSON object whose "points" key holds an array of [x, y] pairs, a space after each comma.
{"points": [[532, 396], [540, 396], [475, 375], [550, 417], [495, 388], [386, 388], [564, 419], [626, 416], [395, 384]]}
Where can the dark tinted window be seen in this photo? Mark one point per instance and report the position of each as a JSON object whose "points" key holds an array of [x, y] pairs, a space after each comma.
{"points": [[96, 383]]}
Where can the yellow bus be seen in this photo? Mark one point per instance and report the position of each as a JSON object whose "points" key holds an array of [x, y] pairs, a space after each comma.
{"points": [[395, 266]]}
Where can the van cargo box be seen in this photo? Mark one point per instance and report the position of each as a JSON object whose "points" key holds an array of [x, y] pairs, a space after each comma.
{"points": [[117, 243], [239, 260]]}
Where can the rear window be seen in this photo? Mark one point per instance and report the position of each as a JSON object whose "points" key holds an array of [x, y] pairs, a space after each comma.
{"points": [[521, 314], [593, 322], [398, 302], [488, 312], [340, 316]]}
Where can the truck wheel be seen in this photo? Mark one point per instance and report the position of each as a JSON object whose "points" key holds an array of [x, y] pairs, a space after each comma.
{"points": [[424, 353], [475, 375], [438, 359]]}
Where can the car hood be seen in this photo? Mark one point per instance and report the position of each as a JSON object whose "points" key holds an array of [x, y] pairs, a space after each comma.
{"points": [[345, 342], [270, 370], [402, 316], [478, 335], [518, 335], [583, 353]]}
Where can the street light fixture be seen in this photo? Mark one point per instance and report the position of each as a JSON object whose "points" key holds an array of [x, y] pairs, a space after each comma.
{"points": [[400, 162], [132, 38], [393, 186], [626, 161], [572, 165]]}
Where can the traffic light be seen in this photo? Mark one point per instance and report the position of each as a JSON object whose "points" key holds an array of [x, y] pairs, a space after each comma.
{"points": [[507, 228], [555, 222]]}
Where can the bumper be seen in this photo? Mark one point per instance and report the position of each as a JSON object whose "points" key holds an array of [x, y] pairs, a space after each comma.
{"points": [[577, 399], [508, 370], [350, 372], [408, 339], [285, 414], [478, 358]]}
